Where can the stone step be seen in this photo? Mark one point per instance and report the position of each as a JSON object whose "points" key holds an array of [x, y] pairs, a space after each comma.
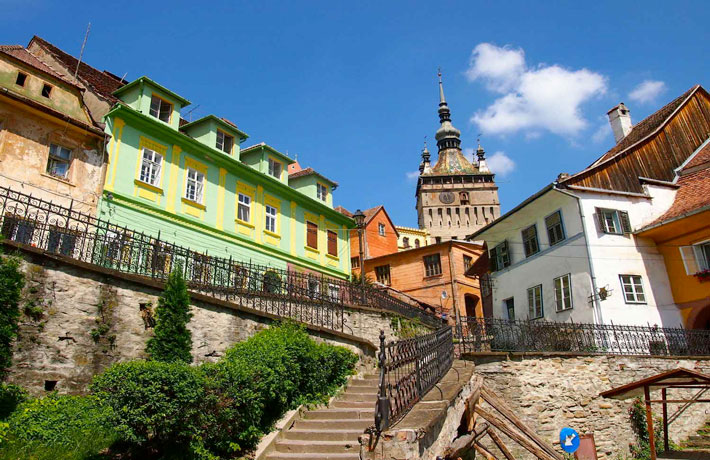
{"points": [[373, 383], [322, 435], [358, 424], [358, 397], [340, 414], [287, 456], [318, 447], [361, 390], [352, 404]]}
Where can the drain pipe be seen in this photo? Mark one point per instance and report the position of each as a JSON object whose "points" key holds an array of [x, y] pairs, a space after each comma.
{"points": [[595, 298]]}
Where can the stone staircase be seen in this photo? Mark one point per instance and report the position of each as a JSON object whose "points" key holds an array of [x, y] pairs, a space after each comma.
{"points": [[332, 432], [699, 441]]}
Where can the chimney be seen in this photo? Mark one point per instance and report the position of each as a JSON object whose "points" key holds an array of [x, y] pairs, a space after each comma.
{"points": [[620, 121]]}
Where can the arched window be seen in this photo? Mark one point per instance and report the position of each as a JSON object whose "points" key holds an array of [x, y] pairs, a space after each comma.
{"points": [[416, 243], [405, 242]]}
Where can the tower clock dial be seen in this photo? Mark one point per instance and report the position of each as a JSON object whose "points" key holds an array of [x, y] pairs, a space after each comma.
{"points": [[446, 197]]}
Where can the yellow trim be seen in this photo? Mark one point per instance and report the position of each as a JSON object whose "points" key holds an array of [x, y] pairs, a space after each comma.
{"points": [[275, 160], [172, 180], [334, 229], [191, 207], [259, 212], [308, 217], [119, 124], [193, 203], [312, 253], [327, 191], [244, 227], [274, 202], [293, 227], [147, 186], [244, 223], [322, 239], [220, 198]]}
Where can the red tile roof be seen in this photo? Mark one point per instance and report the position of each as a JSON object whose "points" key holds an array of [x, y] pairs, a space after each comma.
{"points": [[702, 157], [308, 172], [102, 83], [344, 211], [21, 54]]}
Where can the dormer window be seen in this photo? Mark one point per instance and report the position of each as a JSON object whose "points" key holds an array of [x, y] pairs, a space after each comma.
{"points": [[161, 109], [321, 191], [46, 90], [21, 78], [275, 168], [225, 142]]}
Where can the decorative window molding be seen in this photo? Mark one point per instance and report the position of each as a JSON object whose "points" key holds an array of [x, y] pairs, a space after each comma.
{"points": [[151, 167], [194, 185], [244, 207], [270, 217]]}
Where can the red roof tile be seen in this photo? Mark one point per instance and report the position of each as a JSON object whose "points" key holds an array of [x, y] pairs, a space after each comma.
{"points": [[692, 195], [102, 83], [343, 211], [308, 172], [702, 157], [21, 54]]}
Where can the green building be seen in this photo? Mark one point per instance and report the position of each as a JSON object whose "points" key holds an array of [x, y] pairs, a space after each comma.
{"points": [[192, 184]]}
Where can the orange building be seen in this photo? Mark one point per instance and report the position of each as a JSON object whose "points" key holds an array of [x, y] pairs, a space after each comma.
{"points": [[682, 236], [379, 237], [434, 274]]}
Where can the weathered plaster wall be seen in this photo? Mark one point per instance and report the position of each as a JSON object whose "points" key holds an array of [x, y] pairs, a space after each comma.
{"points": [[76, 321], [549, 393]]}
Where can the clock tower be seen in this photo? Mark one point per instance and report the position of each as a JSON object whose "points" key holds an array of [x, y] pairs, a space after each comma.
{"points": [[454, 197]]}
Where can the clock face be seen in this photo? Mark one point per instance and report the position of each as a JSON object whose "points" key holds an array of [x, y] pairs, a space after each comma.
{"points": [[446, 197]]}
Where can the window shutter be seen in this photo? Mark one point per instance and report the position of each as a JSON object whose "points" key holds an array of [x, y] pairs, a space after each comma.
{"points": [[689, 260], [599, 217], [506, 254], [493, 260], [531, 308], [312, 235], [625, 222]]}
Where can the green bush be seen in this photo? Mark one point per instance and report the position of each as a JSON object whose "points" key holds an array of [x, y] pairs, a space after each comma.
{"points": [[10, 397], [57, 428], [172, 340], [11, 283], [152, 401]]}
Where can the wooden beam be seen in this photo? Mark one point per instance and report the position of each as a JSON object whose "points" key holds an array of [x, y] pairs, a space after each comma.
{"points": [[485, 452], [472, 401], [491, 398], [499, 443], [665, 420], [513, 434], [649, 422], [463, 444], [678, 401]]}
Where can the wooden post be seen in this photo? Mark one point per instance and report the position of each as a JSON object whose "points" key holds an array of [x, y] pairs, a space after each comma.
{"points": [[665, 420], [649, 422], [485, 452], [499, 443]]}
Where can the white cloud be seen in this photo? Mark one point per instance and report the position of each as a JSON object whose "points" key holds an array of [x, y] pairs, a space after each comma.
{"points": [[413, 175], [601, 133], [500, 163], [543, 98], [647, 91]]}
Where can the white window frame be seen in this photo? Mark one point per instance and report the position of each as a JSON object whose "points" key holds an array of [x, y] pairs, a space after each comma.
{"points": [[152, 163], [537, 304], [194, 185], [563, 300], [321, 191], [220, 144], [632, 297], [243, 203], [333, 292], [270, 218], [313, 287], [694, 258], [161, 101], [273, 166], [614, 221], [54, 158], [381, 229]]}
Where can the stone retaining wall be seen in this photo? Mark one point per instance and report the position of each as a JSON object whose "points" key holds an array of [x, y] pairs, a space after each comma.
{"points": [[78, 319], [551, 392]]}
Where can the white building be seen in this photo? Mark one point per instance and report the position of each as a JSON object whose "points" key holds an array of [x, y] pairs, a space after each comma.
{"points": [[569, 252]]}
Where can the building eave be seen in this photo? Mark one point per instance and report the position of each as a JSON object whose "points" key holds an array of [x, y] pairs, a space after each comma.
{"points": [[671, 220], [135, 82], [244, 136]]}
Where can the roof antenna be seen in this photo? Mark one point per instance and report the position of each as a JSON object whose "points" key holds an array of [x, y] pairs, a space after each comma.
{"points": [[189, 113], [81, 53]]}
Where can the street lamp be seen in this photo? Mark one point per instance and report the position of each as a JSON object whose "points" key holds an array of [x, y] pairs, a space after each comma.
{"points": [[359, 217]]}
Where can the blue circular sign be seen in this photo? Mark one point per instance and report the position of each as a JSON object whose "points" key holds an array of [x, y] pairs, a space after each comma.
{"points": [[569, 440]]}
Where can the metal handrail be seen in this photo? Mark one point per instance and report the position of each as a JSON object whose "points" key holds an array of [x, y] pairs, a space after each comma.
{"points": [[493, 334], [300, 295]]}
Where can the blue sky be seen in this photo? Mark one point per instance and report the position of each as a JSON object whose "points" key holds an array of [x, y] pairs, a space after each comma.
{"points": [[350, 87]]}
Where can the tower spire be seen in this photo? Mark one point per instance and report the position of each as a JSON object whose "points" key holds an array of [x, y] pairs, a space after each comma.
{"points": [[447, 136], [426, 156]]}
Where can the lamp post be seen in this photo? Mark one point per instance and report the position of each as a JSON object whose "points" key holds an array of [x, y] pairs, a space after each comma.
{"points": [[359, 217]]}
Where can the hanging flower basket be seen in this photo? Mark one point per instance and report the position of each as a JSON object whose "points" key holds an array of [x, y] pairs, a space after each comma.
{"points": [[703, 276]]}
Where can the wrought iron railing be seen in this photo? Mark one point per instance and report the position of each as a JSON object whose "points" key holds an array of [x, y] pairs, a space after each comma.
{"points": [[408, 370], [490, 334], [304, 296]]}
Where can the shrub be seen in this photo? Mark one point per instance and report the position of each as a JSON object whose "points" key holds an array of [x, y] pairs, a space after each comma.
{"points": [[57, 427], [11, 283], [10, 397], [172, 340], [152, 401]]}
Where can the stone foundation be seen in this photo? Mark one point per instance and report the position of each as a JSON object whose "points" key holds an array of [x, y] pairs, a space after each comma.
{"points": [[77, 319], [551, 392]]}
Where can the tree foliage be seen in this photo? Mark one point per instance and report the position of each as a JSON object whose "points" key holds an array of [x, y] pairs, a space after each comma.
{"points": [[11, 283], [172, 340]]}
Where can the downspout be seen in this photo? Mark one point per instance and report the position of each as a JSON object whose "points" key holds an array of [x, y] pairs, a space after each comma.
{"points": [[454, 291], [595, 297]]}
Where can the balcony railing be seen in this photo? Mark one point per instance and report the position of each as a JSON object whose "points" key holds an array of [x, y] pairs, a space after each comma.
{"points": [[300, 295], [490, 334]]}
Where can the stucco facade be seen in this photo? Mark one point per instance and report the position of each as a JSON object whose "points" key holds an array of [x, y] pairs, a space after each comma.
{"points": [[189, 186], [49, 146]]}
